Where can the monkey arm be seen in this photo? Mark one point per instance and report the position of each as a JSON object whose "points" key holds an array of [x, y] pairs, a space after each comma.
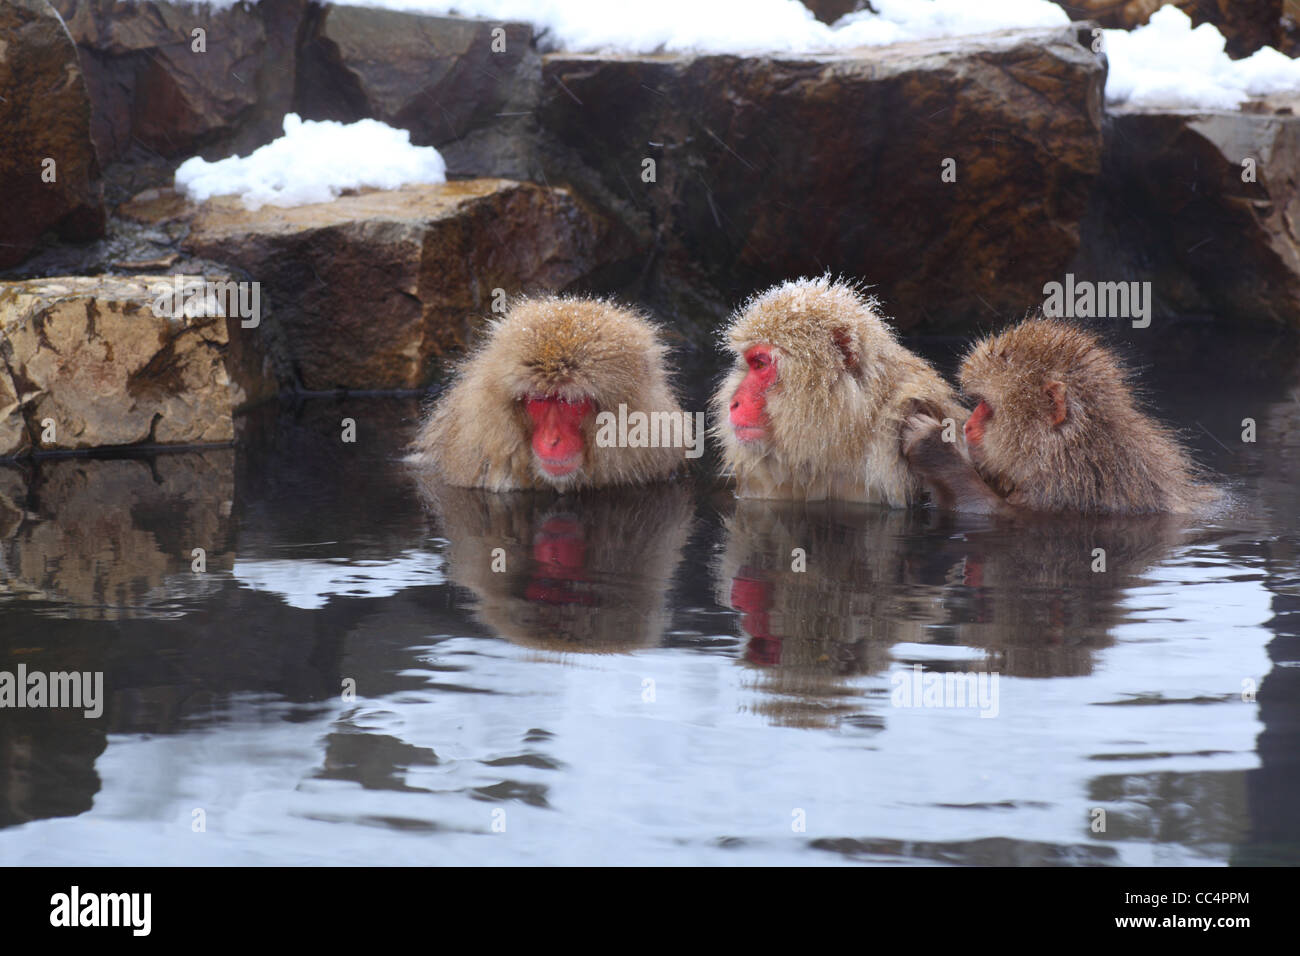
{"points": [[952, 481]]}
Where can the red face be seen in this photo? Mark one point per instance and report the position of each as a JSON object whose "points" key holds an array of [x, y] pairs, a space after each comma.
{"points": [[557, 433], [749, 405], [560, 556], [974, 428]]}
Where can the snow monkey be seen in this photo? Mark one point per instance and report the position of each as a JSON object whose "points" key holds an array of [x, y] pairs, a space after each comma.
{"points": [[1055, 428], [815, 403], [546, 400]]}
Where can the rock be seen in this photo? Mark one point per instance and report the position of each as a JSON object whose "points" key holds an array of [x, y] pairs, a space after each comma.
{"points": [[90, 355], [44, 115], [1246, 24], [366, 292], [1112, 14], [151, 85], [828, 11], [111, 537], [1171, 208], [455, 84], [767, 168]]}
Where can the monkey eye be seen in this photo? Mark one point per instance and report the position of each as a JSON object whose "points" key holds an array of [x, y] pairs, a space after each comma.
{"points": [[758, 358]]}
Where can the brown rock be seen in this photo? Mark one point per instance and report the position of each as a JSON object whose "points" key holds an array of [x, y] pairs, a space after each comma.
{"points": [[150, 85], [451, 82], [828, 11], [44, 115], [367, 291], [1171, 208], [1112, 14], [767, 168], [90, 354]]}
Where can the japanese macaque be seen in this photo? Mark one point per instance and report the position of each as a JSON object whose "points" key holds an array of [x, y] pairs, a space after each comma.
{"points": [[587, 573], [541, 403], [815, 403], [1055, 429]]}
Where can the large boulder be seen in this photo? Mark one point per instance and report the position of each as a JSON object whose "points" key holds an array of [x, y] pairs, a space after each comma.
{"points": [[49, 174], [770, 167], [468, 87], [1178, 206], [157, 84], [95, 359], [366, 292]]}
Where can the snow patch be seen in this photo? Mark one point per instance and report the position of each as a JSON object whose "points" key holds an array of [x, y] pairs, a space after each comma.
{"points": [[313, 162], [1167, 64]]}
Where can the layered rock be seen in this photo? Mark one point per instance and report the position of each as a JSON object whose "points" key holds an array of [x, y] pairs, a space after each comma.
{"points": [[49, 174], [1178, 205], [366, 292], [90, 362], [765, 168], [468, 87]]}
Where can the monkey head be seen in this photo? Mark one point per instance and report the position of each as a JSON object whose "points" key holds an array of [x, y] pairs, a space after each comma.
{"points": [[816, 379], [1044, 392], [523, 412], [1057, 427]]}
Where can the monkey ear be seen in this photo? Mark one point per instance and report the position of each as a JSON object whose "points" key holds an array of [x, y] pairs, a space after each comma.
{"points": [[844, 342], [1055, 392]]}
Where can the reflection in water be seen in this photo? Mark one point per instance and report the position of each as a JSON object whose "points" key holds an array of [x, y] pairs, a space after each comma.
{"points": [[114, 539], [824, 590], [1044, 595], [746, 690], [577, 573]]}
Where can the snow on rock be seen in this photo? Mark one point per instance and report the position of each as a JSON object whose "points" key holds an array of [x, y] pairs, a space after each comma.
{"points": [[740, 26], [313, 162], [1163, 64], [1167, 64]]}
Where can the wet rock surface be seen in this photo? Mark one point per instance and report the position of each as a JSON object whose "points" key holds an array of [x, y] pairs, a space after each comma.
{"points": [[766, 168], [49, 173]]}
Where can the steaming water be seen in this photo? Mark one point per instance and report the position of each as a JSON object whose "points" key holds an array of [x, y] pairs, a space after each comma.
{"points": [[648, 680]]}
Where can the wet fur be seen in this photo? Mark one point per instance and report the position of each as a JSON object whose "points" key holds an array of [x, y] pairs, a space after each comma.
{"points": [[1107, 457], [478, 435], [836, 410]]}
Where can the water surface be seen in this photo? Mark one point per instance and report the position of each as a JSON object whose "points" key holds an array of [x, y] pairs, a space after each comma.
{"points": [[648, 680]]}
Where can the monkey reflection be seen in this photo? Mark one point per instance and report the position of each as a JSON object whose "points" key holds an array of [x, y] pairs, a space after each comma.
{"points": [[824, 590], [1044, 595], [581, 573], [1039, 598]]}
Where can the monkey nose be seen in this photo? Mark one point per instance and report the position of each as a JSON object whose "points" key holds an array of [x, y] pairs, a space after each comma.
{"points": [[735, 404]]}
